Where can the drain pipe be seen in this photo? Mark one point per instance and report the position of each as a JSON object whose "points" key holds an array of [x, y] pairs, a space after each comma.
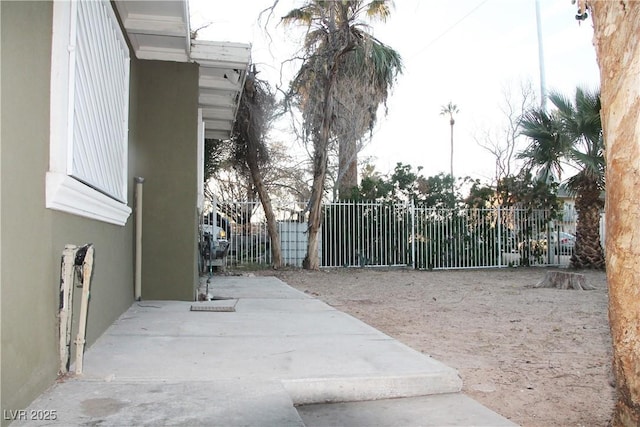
{"points": [[138, 263]]}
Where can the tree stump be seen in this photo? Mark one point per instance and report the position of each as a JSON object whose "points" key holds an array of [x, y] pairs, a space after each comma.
{"points": [[564, 280]]}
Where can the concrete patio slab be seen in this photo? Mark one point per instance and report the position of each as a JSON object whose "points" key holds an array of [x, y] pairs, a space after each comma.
{"points": [[79, 402], [427, 411], [162, 364]]}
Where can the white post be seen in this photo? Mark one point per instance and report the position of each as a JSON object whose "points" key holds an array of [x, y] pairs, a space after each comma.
{"points": [[87, 268], [66, 305], [213, 222], [499, 227], [138, 266], [413, 234]]}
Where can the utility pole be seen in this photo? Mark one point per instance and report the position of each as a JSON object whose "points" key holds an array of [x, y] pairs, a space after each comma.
{"points": [[543, 84]]}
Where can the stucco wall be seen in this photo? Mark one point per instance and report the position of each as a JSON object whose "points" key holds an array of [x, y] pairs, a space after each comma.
{"points": [[167, 143], [162, 148], [28, 269], [33, 237]]}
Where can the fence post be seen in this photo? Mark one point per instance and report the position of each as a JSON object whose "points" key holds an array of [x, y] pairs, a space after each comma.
{"points": [[413, 233], [499, 226]]}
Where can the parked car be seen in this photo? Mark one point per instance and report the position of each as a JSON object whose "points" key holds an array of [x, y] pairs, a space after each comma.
{"points": [[539, 246], [565, 246]]}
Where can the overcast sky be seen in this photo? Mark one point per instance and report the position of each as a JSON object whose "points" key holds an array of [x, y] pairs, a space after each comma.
{"points": [[464, 51]]}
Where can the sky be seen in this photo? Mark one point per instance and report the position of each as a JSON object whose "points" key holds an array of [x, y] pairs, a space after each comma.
{"points": [[463, 51]]}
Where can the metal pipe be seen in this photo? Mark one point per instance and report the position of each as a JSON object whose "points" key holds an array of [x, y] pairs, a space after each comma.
{"points": [[138, 262]]}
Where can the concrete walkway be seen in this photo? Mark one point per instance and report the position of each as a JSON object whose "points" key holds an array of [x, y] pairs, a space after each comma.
{"points": [[268, 355]]}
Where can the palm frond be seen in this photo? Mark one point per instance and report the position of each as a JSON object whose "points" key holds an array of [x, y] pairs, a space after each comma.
{"points": [[304, 15], [562, 103], [379, 9], [592, 166], [341, 52], [315, 37], [548, 144], [375, 61], [580, 119], [449, 109], [572, 131]]}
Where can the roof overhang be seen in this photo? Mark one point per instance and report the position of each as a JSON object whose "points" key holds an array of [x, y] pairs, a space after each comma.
{"points": [[159, 30], [223, 69]]}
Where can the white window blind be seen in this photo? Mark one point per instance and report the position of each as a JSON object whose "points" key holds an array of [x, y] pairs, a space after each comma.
{"points": [[101, 99]]}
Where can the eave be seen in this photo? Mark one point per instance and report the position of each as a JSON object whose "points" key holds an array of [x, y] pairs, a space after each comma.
{"points": [[159, 30]]}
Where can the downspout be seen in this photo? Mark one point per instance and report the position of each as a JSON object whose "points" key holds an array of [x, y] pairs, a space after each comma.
{"points": [[138, 262]]}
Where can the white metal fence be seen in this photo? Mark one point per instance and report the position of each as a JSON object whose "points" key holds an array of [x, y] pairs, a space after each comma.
{"points": [[246, 232], [400, 234], [393, 234]]}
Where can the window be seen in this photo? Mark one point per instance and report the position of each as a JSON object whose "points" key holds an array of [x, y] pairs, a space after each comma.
{"points": [[89, 112]]}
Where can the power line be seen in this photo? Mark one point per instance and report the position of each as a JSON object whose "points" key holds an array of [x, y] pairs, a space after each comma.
{"points": [[450, 28]]}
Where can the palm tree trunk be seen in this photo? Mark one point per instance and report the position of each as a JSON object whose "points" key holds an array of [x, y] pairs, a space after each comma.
{"points": [[451, 153], [588, 249], [347, 168], [311, 261], [320, 159], [451, 122], [321, 144], [616, 29]]}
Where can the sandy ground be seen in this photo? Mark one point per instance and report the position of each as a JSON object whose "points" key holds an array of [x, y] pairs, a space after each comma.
{"points": [[540, 357]]}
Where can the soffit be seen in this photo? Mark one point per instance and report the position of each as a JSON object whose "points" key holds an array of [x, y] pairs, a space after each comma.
{"points": [[159, 30], [223, 68]]}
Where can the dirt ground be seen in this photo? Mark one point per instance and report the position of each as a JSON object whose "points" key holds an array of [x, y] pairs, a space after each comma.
{"points": [[540, 357]]}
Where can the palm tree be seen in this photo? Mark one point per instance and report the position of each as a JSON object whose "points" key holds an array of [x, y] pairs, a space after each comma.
{"points": [[572, 135], [363, 84], [450, 109], [345, 75]]}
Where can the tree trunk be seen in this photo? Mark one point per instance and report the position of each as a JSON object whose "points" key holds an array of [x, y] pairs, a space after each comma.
{"points": [[588, 249], [616, 29], [320, 158], [272, 225], [564, 280], [258, 183], [321, 145], [347, 169], [311, 261], [451, 155]]}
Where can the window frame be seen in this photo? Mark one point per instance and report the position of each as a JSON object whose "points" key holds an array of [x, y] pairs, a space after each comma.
{"points": [[64, 192]]}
